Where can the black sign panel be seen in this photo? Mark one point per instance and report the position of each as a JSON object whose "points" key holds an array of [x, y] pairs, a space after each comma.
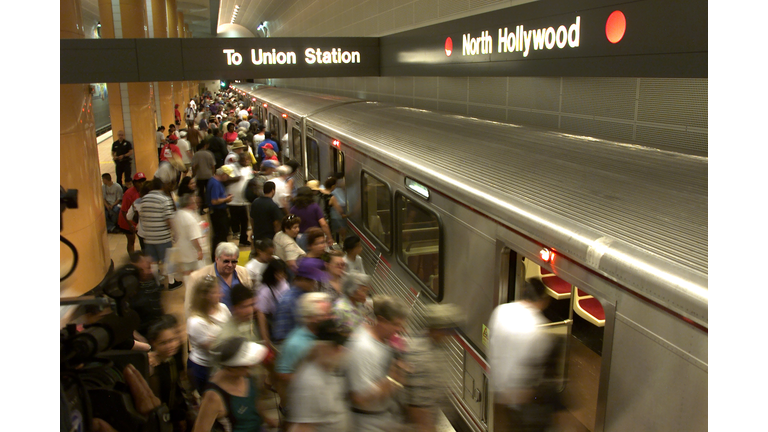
{"points": [[654, 38], [140, 60]]}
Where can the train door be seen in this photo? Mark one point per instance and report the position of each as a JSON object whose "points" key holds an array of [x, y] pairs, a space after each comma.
{"points": [[574, 366], [283, 140], [313, 159], [296, 152]]}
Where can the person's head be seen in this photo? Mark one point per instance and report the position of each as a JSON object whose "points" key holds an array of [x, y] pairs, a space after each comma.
{"points": [[315, 241], [310, 272], [230, 127], [244, 159], [284, 171], [261, 130], [243, 303], [188, 201], [205, 296], [120, 135], [268, 166], [264, 249], [291, 225], [187, 185], [146, 188], [227, 254], [269, 189], [274, 273], [329, 350], [336, 264], [304, 197], [356, 286], [330, 183], [293, 165], [161, 129], [216, 132], [106, 178], [313, 308], [224, 173], [352, 246], [143, 263], [138, 180], [267, 135], [391, 314], [534, 291], [163, 336], [236, 355], [182, 133], [171, 128], [442, 320]]}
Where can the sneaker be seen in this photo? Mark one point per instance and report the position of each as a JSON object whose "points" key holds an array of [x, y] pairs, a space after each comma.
{"points": [[174, 285]]}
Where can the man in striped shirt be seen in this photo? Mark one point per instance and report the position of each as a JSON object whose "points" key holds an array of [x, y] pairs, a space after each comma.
{"points": [[157, 210]]}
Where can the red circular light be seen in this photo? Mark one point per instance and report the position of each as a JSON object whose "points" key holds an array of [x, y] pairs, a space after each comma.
{"points": [[265, 105], [448, 47], [615, 27]]}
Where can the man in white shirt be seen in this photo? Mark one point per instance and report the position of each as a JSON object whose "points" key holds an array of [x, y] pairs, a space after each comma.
{"points": [[190, 240], [374, 375], [185, 148], [518, 352], [238, 210], [113, 196]]}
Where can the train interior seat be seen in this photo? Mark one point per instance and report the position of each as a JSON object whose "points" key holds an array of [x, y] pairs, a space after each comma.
{"points": [[556, 287], [589, 308]]}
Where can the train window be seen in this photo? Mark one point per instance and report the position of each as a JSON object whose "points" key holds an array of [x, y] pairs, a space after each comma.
{"points": [[296, 146], [377, 208], [419, 242], [313, 159], [337, 160]]}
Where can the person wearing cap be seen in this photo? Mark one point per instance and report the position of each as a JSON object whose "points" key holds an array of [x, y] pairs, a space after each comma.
{"points": [[238, 210], [350, 309], [232, 396], [237, 149], [310, 272], [129, 226], [185, 148], [426, 385], [122, 150], [267, 140], [373, 372], [317, 399], [217, 199], [189, 113]]}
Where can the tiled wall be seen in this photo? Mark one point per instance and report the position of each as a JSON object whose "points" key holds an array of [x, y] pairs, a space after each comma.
{"points": [[669, 114]]}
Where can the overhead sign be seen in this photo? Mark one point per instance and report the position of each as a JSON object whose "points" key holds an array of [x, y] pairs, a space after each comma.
{"points": [[559, 38], [137, 60]]}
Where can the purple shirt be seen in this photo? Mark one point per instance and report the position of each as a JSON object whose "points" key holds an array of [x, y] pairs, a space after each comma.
{"points": [[310, 216]]}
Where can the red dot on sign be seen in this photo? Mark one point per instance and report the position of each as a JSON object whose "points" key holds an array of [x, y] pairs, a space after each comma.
{"points": [[615, 27], [448, 47]]}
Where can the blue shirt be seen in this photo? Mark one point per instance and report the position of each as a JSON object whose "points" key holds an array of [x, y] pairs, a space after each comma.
{"points": [[285, 314], [298, 343], [215, 190], [275, 147], [225, 289]]}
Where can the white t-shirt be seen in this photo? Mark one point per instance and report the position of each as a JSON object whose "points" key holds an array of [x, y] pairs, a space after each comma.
{"points": [[258, 138], [202, 332], [238, 189], [318, 397], [356, 266], [255, 270], [517, 348], [280, 192], [186, 228], [184, 147], [368, 363]]}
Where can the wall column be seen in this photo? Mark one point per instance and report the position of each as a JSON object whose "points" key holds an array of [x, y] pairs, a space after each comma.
{"points": [[164, 89], [79, 167]]}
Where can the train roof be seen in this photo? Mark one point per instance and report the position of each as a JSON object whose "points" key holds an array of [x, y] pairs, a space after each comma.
{"points": [[634, 214], [298, 103]]}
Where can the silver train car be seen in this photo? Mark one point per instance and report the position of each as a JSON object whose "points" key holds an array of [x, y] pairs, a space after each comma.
{"points": [[462, 210]]}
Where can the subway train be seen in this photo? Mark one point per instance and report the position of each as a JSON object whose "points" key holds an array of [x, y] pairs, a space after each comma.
{"points": [[462, 210]]}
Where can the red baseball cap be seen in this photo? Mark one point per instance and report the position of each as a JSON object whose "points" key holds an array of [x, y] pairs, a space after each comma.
{"points": [[139, 176]]}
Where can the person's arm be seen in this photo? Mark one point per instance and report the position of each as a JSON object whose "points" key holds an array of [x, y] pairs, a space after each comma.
{"points": [[327, 230], [335, 204], [211, 408], [217, 201], [198, 248], [381, 389]]}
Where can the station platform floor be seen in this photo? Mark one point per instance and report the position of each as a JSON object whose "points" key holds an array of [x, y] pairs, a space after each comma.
{"points": [[173, 301]]}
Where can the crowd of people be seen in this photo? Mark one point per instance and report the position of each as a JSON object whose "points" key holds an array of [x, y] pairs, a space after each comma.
{"points": [[297, 320]]}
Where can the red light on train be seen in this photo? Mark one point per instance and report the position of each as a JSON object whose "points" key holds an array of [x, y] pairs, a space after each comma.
{"points": [[265, 105], [285, 116], [547, 255], [336, 143], [254, 99]]}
